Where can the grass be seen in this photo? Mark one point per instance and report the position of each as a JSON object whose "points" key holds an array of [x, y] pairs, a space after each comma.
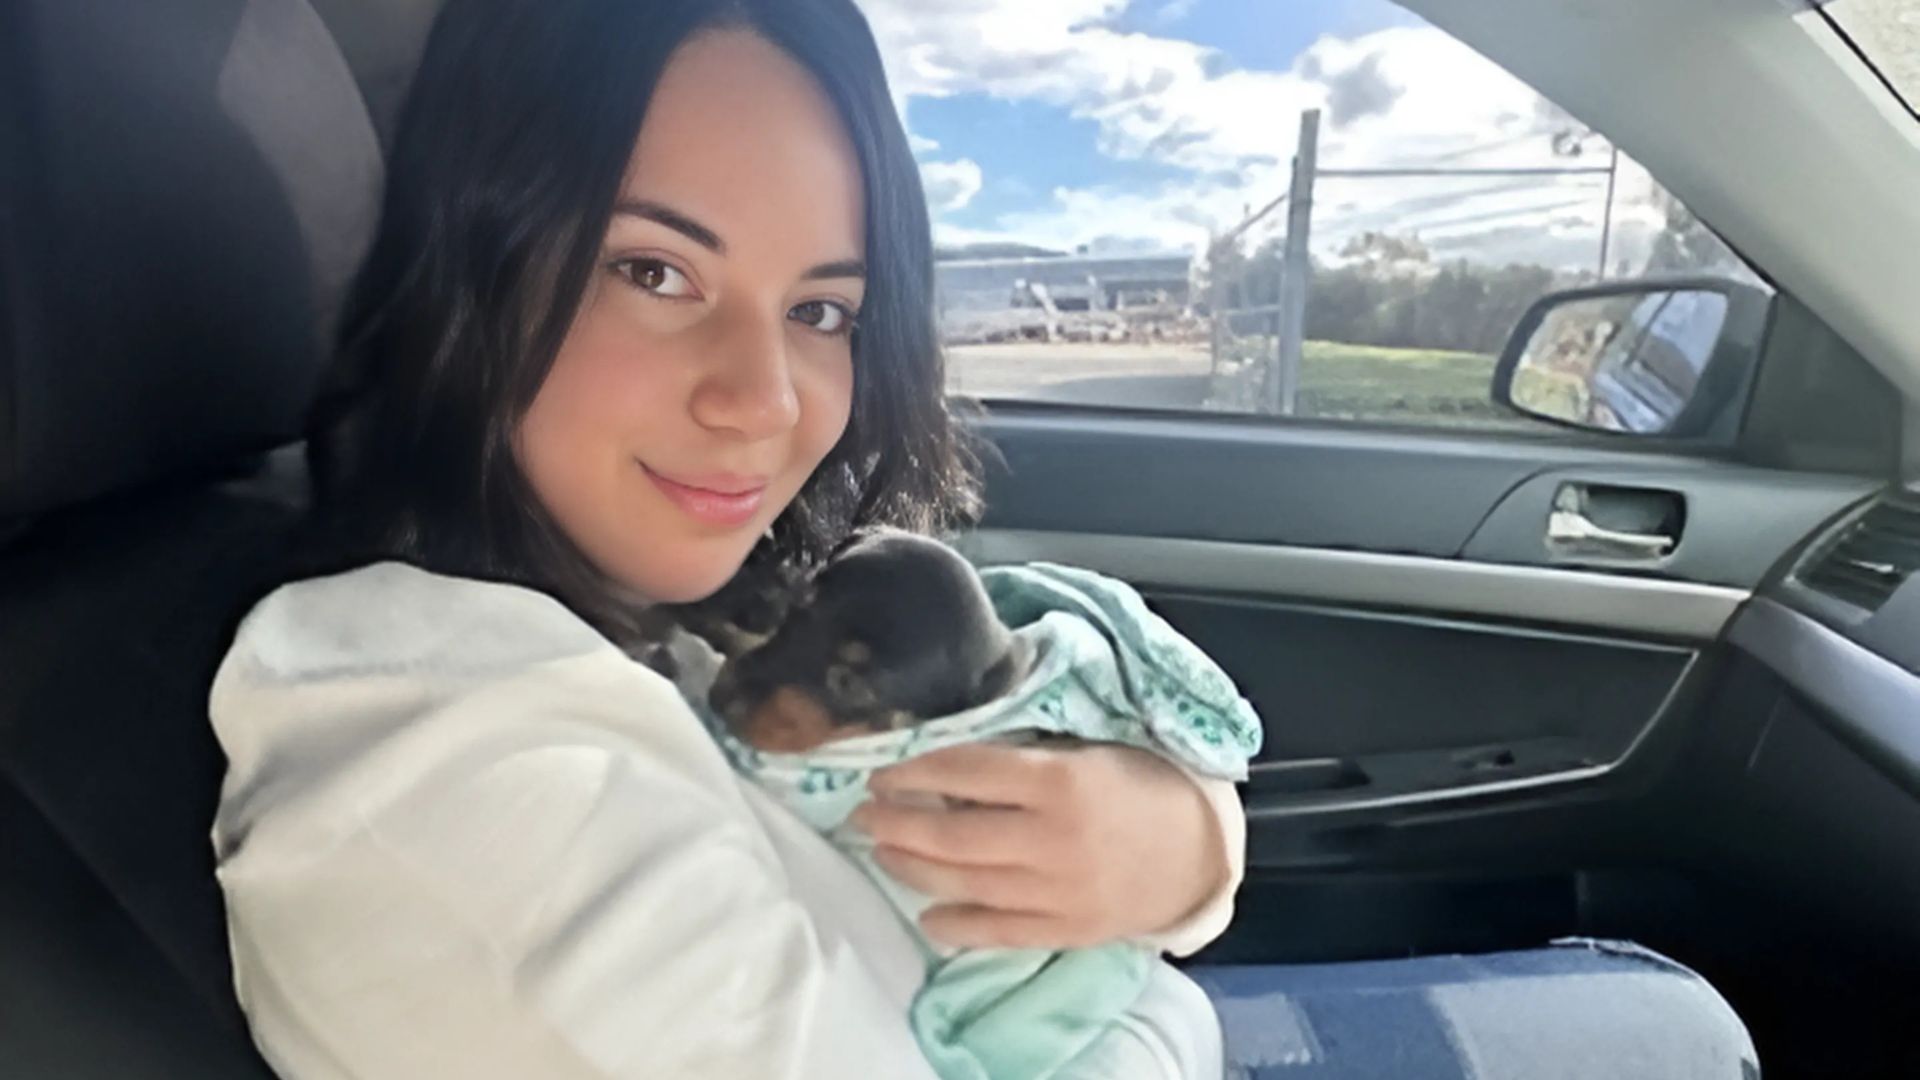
{"points": [[1366, 382], [1340, 381]]}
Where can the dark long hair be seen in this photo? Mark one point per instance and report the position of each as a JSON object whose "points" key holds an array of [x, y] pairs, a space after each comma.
{"points": [[509, 157]]}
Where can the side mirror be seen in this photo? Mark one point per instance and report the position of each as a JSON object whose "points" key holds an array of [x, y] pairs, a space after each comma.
{"points": [[1668, 358]]}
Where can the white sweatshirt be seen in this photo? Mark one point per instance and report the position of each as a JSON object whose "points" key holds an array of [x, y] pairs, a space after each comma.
{"points": [[462, 835]]}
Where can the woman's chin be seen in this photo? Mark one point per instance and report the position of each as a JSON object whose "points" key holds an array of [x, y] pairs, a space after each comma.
{"points": [[695, 575]]}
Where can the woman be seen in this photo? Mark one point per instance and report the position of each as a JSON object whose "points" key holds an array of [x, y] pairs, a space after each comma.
{"points": [[650, 299]]}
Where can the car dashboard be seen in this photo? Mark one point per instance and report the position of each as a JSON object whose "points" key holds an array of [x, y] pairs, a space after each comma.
{"points": [[1842, 628], [1809, 791]]}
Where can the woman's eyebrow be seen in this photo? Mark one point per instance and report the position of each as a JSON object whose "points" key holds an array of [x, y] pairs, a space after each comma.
{"points": [[844, 268], [675, 220], [707, 238]]}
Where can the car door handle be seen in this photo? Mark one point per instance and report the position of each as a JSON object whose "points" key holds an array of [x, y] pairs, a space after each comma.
{"points": [[1571, 532]]}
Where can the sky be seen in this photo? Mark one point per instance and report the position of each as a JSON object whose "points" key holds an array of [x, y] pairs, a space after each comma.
{"points": [[1131, 125]]}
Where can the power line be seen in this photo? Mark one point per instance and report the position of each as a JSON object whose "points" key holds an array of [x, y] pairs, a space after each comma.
{"points": [[1426, 172], [1283, 373], [1240, 230], [1543, 170]]}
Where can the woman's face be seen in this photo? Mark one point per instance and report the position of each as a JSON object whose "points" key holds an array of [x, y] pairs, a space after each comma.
{"points": [[709, 369]]}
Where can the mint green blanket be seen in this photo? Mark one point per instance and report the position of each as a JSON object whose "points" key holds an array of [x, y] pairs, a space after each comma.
{"points": [[1105, 669]]}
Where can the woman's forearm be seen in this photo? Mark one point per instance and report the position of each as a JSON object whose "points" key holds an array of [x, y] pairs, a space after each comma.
{"points": [[1214, 911]]}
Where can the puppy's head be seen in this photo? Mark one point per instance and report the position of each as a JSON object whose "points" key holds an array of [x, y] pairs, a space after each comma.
{"points": [[896, 628]]}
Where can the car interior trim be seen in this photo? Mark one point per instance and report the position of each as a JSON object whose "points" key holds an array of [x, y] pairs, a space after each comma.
{"points": [[1872, 703], [1910, 450], [1453, 794], [1649, 607]]}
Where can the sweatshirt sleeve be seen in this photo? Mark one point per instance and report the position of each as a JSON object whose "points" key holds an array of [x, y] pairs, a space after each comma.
{"points": [[1211, 918], [516, 869]]}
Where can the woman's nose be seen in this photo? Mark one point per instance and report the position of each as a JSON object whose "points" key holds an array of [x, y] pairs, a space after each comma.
{"points": [[748, 386]]}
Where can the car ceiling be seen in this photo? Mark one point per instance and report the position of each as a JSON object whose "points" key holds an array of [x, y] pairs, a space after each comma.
{"points": [[1760, 119]]}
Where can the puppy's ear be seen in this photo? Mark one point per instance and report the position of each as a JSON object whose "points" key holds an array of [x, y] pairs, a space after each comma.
{"points": [[660, 659], [1005, 673], [789, 721], [861, 535], [850, 541]]}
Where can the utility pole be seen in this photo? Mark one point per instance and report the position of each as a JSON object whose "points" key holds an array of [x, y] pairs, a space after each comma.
{"points": [[1606, 217], [1282, 390], [1296, 266]]}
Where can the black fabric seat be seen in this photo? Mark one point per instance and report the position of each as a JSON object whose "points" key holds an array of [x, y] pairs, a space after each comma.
{"points": [[110, 920], [185, 190]]}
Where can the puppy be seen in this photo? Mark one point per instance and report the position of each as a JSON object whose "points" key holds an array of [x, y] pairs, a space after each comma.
{"points": [[895, 629]]}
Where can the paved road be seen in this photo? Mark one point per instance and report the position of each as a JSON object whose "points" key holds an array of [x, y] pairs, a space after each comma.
{"points": [[1156, 376]]}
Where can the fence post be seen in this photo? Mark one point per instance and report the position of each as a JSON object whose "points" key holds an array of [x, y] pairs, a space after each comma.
{"points": [[1296, 266], [1606, 219], [1215, 316]]}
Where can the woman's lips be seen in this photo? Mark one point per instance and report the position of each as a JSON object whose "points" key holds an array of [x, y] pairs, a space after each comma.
{"points": [[714, 500]]}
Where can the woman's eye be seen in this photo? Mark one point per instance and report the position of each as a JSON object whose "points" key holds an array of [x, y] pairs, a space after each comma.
{"points": [[656, 277], [824, 316]]}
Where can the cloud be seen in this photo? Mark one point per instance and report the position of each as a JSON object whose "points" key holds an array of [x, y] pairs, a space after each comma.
{"points": [[1401, 96], [1173, 101], [950, 185], [920, 144], [1494, 221], [1056, 52], [1169, 217], [1359, 92], [1173, 11]]}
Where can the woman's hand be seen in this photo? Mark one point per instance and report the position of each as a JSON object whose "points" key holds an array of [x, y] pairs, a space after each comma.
{"points": [[1072, 846]]}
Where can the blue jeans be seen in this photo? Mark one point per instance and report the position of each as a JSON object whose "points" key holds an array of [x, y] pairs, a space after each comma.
{"points": [[1581, 1010]]}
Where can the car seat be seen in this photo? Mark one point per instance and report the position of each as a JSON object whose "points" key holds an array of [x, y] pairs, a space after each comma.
{"points": [[185, 190]]}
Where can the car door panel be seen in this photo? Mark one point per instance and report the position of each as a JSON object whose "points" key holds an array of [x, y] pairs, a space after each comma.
{"points": [[1403, 491], [1378, 711], [1633, 605], [1245, 481], [1443, 694], [1739, 521], [1338, 683]]}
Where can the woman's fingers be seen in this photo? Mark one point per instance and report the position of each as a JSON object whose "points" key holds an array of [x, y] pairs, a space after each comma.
{"points": [[1114, 842], [969, 926], [967, 836], [1009, 889], [979, 772]]}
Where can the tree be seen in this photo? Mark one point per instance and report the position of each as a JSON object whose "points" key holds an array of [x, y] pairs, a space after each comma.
{"points": [[1685, 243], [1382, 249]]}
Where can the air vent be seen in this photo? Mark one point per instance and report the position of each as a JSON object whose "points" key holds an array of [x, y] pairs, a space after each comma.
{"points": [[1872, 557]]}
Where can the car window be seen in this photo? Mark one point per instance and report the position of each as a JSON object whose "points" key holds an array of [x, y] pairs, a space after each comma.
{"points": [[1113, 188]]}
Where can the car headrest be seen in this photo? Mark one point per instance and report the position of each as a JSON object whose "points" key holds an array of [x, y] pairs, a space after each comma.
{"points": [[185, 192]]}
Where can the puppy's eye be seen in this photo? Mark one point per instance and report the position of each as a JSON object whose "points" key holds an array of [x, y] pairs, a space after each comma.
{"points": [[847, 686], [763, 617]]}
